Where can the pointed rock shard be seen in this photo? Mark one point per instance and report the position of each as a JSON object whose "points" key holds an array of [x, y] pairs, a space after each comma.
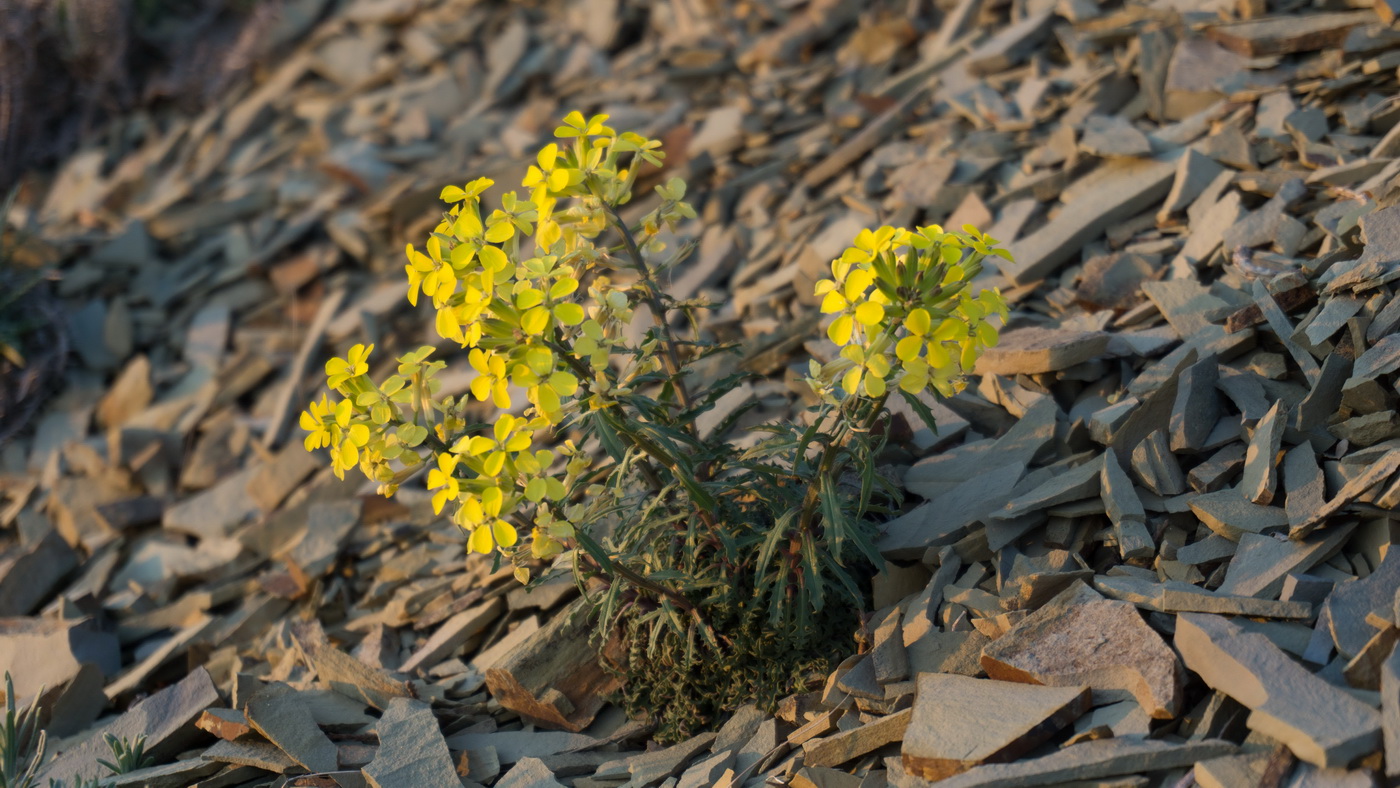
{"points": [[1261, 460], [1304, 486], [454, 632], [1188, 306], [948, 518], [1348, 605], [1011, 720], [282, 718], [1378, 472], [1319, 722], [550, 678], [1197, 406], [1072, 485], [1080, 638], [1157, 467], [527, 773], [1124, 509], [343, 673], [888, 656], [411, 749], [1113, 135]]}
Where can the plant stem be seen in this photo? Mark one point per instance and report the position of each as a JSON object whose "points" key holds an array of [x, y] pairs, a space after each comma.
{"points": [[671, 358], [828, 462]]}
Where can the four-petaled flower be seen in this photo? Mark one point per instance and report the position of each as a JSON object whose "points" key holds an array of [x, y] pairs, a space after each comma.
{"points": [[869, 371], [319, 420], [355, 364], [482, 516], [576, 126], [347, 454], [491, 380], [548, 175], [441, 479], [429, 273], [511, 436]]}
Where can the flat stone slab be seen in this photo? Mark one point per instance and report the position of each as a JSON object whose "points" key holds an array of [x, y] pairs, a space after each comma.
{"points": [[1091, 760], [1080, 638], [1262, 563], [1027, 351], [836, 749], [1318, 721], [1228, 513], [1011, 719], [1174, 596], [411, 749]]}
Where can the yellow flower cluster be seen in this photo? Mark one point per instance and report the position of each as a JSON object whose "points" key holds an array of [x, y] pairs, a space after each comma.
{"points": [[506, 286], [903, 313]]}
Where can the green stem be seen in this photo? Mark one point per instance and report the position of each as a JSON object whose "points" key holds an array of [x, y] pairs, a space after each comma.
{"points": [[828, 465], [671, 358]]}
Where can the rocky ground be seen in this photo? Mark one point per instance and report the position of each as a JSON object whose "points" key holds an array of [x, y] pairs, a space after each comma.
{"points": [[1148, 546]]}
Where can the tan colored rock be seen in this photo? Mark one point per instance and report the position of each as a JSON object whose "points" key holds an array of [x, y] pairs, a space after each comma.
{"points": [[841, 747], [1319, 722], [1011, 719], [1032, 350], [1081, 639], [1091, 761]]}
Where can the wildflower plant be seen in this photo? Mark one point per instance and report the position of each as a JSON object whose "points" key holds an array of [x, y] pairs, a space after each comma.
{"points": [[725, 572]]}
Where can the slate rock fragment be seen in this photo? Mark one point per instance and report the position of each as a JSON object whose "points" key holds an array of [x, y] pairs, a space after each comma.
{"points": [[1012, 719], [1080, 638], [1319, 722]]}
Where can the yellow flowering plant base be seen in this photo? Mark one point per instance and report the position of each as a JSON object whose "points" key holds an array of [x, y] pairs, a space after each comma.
{"points": [[732, 574]]}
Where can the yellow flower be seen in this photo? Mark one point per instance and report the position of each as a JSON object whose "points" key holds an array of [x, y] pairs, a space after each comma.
{"points": [[428, 273], [847, 297], [442, 479], [593, 344], [482, 516], [548, 175], [347, 454], [474, 189], [511, 436], [491, 378], [576, 126], [355, 364], [917, 324], [319, 419], [867, 374]]}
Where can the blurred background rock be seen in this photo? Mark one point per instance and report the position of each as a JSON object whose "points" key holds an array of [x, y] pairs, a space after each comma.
{"points": [[65, 65]]}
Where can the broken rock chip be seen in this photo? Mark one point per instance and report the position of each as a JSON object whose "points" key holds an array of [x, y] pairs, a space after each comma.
{"points": [[1318, 721], [1347, 607], [1033, 350], [411, 749], [1011, 719], [282, 718], [837, 749], [1081, 638]]}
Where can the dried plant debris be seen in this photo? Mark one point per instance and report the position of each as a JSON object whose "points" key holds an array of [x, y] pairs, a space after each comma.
{"points": [[1150, 541]]}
